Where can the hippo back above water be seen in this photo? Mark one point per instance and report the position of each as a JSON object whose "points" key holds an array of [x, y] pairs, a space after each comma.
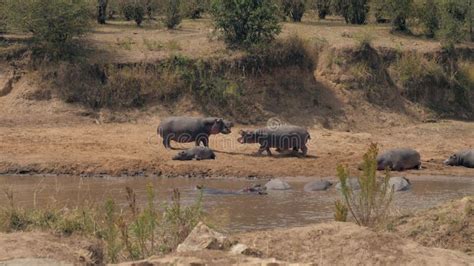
{"points": [[462, 158], [282, 138], [399, 160], [192, 129]]}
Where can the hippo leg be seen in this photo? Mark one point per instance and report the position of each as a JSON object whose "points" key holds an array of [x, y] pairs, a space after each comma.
{"points": [[204, 140], [264, 148], [304, 149], [269, 153], [166, 143]]}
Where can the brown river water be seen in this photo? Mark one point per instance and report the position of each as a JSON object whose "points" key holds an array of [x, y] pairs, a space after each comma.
{"points": [[233, 213]]}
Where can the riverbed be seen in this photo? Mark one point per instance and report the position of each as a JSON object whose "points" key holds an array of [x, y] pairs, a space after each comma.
{"points": [[233, 213]]}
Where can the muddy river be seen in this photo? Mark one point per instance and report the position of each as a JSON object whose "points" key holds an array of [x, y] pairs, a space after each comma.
{"points": [[230, 212]]}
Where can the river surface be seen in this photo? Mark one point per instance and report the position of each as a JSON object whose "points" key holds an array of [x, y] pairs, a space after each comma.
{"points": [[230, 212]]}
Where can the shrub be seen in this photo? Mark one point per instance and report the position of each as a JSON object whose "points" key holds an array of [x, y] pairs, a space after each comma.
{"points": [[353, 11], [54, 24], [102, 11], [246, 23], [323, 7], [172, 13], [379, 9], [369, 206], [453, 15], [128, 11], [195, 8], [294, 9], [428, 14], [400, 11], [138, 14]]}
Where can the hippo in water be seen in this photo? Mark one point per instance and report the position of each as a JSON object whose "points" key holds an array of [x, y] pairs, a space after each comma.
{"points": [[251, 190], [318, 185], [192, 129], [198, 153], [277, 184], [399, 160], [462, 158], [399, 183], [282, 138]]}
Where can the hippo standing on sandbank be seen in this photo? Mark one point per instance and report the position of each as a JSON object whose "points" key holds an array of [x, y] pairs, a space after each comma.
{"points": [[198, 153], [188, 129], [462, 158], [282, 138], [399, 160]]}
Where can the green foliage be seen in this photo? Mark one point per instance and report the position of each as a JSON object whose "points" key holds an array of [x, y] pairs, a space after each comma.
{"points": [[427, 11], [400, 11], [54, 24], [246, 23], [128, 11], [323, 7], [195, 8], [369, 206], [453, 16], [111, 232], [173, 15], [294, 9], [353, 11], [380, 10]]}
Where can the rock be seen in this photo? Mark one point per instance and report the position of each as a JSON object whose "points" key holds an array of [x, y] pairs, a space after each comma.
{"points": [[202, 237], [399, 183], [277, 184]]}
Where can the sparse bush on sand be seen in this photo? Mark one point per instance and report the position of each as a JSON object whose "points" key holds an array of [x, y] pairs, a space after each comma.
{"points": [[368, 206]]}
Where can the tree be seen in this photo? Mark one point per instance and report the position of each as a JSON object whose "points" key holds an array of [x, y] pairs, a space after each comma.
{"points": [[102, 11], [195, 8], [173, 13], [246, 23], [379, 8], [323, 7], [353, 11], [294, 9], [428, 14], [400, 10], [453, 16], [54, 24]]}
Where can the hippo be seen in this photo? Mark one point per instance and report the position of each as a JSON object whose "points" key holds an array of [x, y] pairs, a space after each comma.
{"points": [[251, 190], [399, 183], [352, 182], [399, 159], [282, 138], [462, 158], [318, 185], [198, 153], [188, 129], [277, 184]]}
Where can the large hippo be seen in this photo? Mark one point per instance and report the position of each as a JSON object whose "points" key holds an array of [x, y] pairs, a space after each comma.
{"points": [[198, 153], [318, 185], [399, 159], [462, 158], [188, 129], [282, 138]]}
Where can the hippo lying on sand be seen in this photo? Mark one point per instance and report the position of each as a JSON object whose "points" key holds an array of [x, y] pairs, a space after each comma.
{"points": [[399, 183], [462, 158], [319, 185], [188, 129], [282, 138], [399, 160], [255, 190], [198, 153]]}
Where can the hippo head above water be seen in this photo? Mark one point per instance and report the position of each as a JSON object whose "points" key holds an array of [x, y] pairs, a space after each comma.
{"points": [[247, 136]]}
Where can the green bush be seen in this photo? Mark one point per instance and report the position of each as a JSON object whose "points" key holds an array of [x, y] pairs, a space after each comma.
{"points": [[369, 206], [353, 11], [138, 14], [172, 13], [246, 23], [54, 24], [128, 11], [400, 11], [195, 8], [453, 16], [323, 7], [427, 11], [294, 9]]}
